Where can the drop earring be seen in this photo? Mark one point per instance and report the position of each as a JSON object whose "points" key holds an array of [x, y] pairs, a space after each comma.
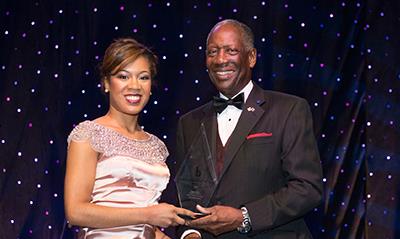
{"points": [[106, 90]]}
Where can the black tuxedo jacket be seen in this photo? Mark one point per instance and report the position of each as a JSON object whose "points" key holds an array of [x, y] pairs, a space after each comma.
{"points": [[271, 163]]}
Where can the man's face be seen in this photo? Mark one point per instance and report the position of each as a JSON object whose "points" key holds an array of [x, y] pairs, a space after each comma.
{"points": [[229, 63]]}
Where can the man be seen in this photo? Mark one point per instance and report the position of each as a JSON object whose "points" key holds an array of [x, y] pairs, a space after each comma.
{"points": [[264, 150]]}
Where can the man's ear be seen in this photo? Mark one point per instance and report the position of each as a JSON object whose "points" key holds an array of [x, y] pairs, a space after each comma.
{"points": [[252, 57]]}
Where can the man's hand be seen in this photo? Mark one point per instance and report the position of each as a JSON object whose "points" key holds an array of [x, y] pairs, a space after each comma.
{"points": [[192, 236], [221, 219]]}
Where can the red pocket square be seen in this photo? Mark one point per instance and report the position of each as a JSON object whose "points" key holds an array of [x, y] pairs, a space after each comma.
{"points": [[256, 135]]}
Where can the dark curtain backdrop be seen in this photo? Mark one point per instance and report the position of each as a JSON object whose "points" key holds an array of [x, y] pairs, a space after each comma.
{"points": [[342, 56]]}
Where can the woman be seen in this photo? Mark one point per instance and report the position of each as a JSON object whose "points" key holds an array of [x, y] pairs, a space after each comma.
{"points": [[115, 170]]}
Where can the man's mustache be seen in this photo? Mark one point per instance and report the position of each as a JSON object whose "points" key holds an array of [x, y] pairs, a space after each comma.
{"points": [[220, 66]]}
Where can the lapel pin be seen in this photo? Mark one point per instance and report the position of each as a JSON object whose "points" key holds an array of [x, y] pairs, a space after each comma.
{"points": [[250, 109]]}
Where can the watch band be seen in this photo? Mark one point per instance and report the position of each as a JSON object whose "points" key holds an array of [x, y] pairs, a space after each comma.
{"points": [[246, 223]]}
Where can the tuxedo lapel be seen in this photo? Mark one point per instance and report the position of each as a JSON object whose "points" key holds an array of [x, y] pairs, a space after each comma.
{"points": [[252, 112]]}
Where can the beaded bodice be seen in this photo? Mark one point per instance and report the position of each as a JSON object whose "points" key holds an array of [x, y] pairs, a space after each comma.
{"points": [[110, 142]]}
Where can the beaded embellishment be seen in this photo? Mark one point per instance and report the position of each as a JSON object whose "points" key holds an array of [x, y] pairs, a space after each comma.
{"points": [[110, 142]]}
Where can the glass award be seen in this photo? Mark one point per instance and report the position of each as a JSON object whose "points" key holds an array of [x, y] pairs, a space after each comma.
{"points": [[196, 178]]}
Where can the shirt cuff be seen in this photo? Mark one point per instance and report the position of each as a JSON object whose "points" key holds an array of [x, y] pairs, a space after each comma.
{"points": [[187, 232]]}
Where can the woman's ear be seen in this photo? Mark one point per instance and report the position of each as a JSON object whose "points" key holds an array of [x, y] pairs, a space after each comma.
{"points": [[106, 82]]}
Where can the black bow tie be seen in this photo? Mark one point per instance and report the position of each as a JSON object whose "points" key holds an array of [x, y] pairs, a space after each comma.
{"points": [[220, 104]]}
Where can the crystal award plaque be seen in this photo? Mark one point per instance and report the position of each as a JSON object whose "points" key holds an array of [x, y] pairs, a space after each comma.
{"points": [[196, 178]]}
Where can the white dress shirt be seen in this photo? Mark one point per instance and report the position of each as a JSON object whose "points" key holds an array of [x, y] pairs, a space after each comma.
{"points": [[227, 119]]}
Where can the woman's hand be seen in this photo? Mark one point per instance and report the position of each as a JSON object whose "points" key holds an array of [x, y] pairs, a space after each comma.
{"points": [[165, 215], [160, 234]]}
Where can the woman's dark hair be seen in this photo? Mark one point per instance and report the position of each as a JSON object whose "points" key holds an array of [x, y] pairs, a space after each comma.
{"points": [[121, 53]]}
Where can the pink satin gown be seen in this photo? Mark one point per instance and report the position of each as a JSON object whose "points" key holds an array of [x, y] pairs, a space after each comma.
{"points": [[130, 173]]}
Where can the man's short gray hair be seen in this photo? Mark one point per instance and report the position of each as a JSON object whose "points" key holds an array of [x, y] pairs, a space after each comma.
{"points": [[246, 33]]}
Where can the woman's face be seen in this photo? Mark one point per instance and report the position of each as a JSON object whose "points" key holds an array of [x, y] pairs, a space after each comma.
{"points": [[129, 88]]}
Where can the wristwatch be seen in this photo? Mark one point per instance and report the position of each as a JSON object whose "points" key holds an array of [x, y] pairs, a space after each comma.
{"points": [[246, 223]]}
